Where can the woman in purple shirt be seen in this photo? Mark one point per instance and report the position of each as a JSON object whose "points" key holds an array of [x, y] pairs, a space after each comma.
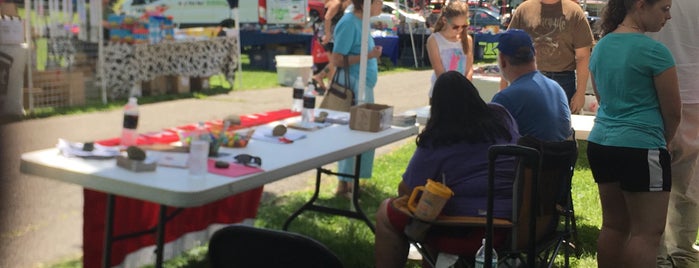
{"points": [[454, 146]]}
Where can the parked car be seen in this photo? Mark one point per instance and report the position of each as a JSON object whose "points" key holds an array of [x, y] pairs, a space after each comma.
{"points": [[480, 17], [483, 4]]}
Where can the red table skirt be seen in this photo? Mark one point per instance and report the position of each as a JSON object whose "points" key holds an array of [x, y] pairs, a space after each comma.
{"points": [[132, 215]]}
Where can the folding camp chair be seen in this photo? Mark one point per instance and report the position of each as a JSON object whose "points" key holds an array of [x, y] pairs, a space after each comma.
{"points": [[246, 246], [541, 194]]}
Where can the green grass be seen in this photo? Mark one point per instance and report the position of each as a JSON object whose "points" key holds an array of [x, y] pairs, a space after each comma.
{"points": [[352, 240]]}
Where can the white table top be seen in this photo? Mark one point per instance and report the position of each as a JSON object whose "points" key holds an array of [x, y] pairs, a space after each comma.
{"points": [[173, 187], [582, 124]]}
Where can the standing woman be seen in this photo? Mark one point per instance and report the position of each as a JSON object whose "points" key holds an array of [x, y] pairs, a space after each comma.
{"points": [[635, 81], [348, 41], [334, 9], [450, 46]]}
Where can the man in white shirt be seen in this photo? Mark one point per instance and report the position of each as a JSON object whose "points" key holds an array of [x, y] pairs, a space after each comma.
{"points": [[679, 35]]}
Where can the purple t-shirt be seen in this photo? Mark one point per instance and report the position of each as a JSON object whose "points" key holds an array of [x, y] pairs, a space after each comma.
{"points": [[465, 167]]}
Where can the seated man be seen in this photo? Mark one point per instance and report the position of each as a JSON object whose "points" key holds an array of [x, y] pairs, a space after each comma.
{"points": [[538, 104], [453, 147]]}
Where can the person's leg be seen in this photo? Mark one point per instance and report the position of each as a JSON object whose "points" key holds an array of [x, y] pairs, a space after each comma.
{"points": [[615, 226], [647, 213], [390, 245], [683, 210], [346, 166]]}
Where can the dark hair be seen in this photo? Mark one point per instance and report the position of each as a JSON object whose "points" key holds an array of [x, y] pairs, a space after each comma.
{"points": [[614, 13], [454, 9], [458, 114], [358, 4]]}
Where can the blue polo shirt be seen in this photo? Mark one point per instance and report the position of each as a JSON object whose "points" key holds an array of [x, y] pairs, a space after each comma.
{"points": [[539, 105]]}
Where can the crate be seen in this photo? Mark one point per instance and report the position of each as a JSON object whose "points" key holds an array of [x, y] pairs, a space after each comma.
{"points": [[55, 88]]}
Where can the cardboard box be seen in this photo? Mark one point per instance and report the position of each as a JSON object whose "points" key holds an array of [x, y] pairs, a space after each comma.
{"points": [[371, 117], [76, 89], [55, 88], [8, 9], [180, 84], [155, 87]]}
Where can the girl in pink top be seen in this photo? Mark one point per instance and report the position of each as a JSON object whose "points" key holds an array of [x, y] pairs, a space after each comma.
{"points": [[449, 47]]}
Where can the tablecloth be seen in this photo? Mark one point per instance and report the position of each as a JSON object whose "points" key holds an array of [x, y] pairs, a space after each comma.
{"points": [[126, 64], [390, 47]]}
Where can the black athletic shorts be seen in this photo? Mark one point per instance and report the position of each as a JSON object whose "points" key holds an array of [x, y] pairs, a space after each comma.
{"points": [[636, 169]]}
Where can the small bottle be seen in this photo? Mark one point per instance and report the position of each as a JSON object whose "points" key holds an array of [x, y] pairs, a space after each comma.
{"points": [[480, 257], [129, 135], [309, 104], [297, 105]]}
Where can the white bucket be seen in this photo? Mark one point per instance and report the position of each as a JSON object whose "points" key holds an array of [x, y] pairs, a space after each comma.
{"points": [[291, 66]]}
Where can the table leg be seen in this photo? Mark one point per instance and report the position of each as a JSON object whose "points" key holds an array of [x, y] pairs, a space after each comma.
{"points": [[108, 229], [358, 214], [160, 238]]}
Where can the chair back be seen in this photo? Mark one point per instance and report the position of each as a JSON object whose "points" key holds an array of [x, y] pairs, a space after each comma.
{"points": [[246, 246], [555, 172]]}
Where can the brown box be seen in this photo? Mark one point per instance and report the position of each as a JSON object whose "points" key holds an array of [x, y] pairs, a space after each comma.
{"points": [[76, 89], [180, 84], [371, 117], [155, 87], [56, 88], [199, 83], [8, 9]]}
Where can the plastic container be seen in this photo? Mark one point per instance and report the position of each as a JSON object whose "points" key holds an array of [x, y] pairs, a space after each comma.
{"points": [[309, 104], [291, 66], [297, 95], [480, 257], [129, 135]]}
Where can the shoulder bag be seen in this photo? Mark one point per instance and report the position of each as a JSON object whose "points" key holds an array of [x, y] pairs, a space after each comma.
{"points": [[339, 97]]}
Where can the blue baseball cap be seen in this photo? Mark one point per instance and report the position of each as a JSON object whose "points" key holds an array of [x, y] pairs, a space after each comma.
{"points": [[516, 43]]}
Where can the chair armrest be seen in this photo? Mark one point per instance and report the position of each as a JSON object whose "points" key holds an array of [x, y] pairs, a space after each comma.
{"points": [[401, 203]]}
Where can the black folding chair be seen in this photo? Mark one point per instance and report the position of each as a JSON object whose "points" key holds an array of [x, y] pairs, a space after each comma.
{"points": [[247, 246]]}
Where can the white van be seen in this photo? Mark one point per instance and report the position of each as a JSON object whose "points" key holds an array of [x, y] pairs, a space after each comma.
{"points": [[183, 12], [193, 13]]}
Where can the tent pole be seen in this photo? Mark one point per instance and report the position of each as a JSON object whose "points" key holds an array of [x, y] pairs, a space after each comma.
{"points": [[366, 14]]}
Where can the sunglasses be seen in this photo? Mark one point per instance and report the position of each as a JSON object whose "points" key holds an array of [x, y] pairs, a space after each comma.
{"points": [[459, 27], [247, 160]]}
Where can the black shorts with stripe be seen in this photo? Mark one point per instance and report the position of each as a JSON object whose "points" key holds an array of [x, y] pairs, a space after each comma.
{"points": [[635, 169]]}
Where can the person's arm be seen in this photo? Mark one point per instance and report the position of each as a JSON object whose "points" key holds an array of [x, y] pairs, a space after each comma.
{"points": [[338, 60], [582, 62], [469, 59], [333, 8], [667, 89], [433, 54], [403, 189]]}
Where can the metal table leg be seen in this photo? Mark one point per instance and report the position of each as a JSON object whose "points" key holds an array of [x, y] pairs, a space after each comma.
{"points": [[310, 205], [108, 230]]}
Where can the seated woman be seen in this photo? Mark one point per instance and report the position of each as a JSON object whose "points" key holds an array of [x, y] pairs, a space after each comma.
{"points": [[454, 145]]}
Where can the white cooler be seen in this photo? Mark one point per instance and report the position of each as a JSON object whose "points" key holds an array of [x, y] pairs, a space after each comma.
{"points": [[291, 66]]}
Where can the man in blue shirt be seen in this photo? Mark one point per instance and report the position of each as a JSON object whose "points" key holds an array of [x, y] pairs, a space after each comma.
{"points": [[538, 103]]}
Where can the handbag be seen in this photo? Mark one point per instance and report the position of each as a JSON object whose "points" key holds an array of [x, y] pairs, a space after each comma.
{"points": [[339, 97]]}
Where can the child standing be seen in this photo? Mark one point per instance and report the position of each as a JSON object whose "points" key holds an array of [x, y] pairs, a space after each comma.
{"points": [[449, 47]]}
